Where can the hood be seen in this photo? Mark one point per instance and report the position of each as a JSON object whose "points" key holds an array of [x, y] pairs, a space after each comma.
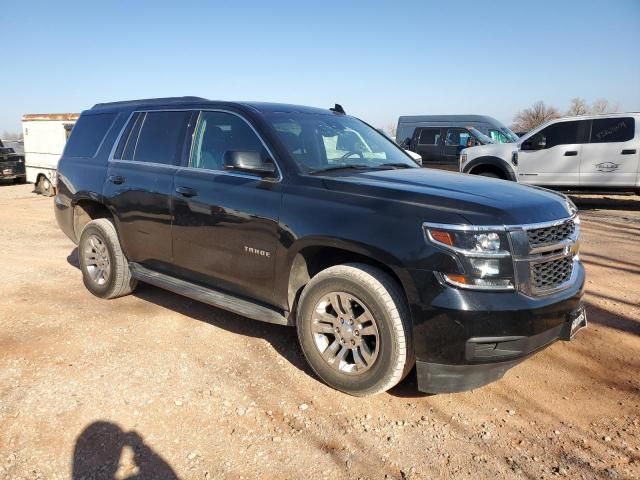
{"points": [[479, 200], [500, 150]]}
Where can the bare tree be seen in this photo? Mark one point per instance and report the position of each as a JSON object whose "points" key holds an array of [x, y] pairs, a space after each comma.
{"points": [[578, 106], [530, 118], [391, 128], [602, 105]]}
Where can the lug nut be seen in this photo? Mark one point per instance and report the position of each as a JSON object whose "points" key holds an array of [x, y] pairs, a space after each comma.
{"points": [[350, 322], [356, 333], [353, 342], [342, 320]]}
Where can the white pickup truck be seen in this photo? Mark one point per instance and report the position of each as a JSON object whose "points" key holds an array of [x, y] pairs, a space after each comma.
{"points": [[590, 153], [45, 136]]}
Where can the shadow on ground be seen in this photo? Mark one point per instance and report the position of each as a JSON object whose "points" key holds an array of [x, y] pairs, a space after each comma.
{"points": [[99, 450]]}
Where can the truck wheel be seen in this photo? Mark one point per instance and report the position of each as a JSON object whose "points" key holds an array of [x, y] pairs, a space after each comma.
{"points": [[105, 269], [45, 187], [354, 329]]}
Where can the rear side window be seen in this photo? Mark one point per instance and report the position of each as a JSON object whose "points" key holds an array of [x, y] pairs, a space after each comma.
{"points": [[87, 134], [429, 136], [161, 137], [609, 130]]}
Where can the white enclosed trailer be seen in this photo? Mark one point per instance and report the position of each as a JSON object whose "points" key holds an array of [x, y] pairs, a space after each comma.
{"points": [[45, 136]]}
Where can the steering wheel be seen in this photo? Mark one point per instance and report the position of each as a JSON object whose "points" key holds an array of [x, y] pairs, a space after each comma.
{"points": [[348, 154]]}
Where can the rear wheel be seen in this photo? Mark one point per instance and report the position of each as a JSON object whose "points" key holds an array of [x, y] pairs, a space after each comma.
{"points": [[105, 269], [45, 187], [353, 326]]}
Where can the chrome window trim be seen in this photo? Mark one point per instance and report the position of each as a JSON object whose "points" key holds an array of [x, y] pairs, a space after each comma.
{"points": [[180, 167], [151, 164]]}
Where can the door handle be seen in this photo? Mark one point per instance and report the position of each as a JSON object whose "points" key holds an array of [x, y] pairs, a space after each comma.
{"points": [[116, 179], [187, 192], [570, 153], [628, 152]]}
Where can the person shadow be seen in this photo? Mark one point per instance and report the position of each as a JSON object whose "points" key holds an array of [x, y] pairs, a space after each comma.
{"points": [[103, 450]]}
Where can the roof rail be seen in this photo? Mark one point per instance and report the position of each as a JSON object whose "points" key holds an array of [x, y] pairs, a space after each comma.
{"points": [[150, 101]]}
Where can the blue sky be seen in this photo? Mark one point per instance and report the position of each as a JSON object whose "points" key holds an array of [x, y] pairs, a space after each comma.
{"points": [[378, 59]]}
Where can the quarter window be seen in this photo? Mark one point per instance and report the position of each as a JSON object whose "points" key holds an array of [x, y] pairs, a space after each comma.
{"points": [[88, 134], [429, 136], [218, 132], [609, 130]]}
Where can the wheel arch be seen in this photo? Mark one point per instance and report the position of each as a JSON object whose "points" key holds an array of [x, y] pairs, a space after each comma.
{"points": [[491, 164], [311, 256]]}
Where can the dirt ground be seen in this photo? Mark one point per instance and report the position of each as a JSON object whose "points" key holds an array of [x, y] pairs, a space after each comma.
{"points": [[154, 385]]}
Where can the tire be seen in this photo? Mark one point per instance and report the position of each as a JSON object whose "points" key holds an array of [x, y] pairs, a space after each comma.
{"points": [[385, 352], [45, 187], [105, 269]]}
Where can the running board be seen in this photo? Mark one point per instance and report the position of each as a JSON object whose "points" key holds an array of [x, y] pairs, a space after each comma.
{"points": [[209, 296]]}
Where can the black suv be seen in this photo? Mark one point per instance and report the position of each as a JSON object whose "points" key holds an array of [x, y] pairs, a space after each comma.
{"points": [[311, 218]]}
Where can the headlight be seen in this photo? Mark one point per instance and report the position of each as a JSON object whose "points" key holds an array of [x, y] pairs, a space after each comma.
{"points": [[484, 255]]}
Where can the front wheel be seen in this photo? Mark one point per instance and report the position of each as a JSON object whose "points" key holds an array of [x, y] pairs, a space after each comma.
{"points": [[354, 329]]}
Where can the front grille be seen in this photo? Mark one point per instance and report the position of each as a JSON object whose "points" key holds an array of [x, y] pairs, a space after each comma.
{"points": [[549, 275], [539, 237]]}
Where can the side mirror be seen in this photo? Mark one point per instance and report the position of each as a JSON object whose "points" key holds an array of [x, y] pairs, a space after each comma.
{"points": [[248, 161]]}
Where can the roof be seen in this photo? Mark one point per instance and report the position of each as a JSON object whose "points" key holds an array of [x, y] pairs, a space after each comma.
{"points": [[189, 101], [35, 117], [447, 118]]}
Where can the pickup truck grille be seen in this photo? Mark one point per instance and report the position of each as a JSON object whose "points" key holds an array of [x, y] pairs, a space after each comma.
{"points": [[549, 235]]}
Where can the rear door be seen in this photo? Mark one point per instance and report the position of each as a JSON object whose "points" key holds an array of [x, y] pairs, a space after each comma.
{"points": [[552, 155], [139, 184], [427, 142], [611, 157], [225, 229]]}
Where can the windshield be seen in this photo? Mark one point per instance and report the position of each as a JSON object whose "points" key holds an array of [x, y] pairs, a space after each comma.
{"points": [[480, 136], [502, 135], [320, 142]]}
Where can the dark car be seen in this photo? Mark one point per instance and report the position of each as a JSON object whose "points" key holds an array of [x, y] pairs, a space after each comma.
{"points": [[309, 217], [11, 165]]}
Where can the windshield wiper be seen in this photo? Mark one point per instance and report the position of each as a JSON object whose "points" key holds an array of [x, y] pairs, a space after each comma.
{"points": [[342, 167], [395, 165]]}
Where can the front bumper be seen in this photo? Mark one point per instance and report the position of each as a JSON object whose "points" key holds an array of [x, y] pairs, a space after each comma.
{"points": [[465, 339]]}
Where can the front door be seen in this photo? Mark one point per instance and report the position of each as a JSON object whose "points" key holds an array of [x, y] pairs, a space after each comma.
{"points": [[611, 157], [139, 184], [455, 140], [225, 228], [552, 155], [427, 142]]}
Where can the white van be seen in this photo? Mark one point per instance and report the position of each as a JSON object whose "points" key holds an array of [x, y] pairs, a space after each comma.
{"points": [[45, 136], [589, 152]]}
